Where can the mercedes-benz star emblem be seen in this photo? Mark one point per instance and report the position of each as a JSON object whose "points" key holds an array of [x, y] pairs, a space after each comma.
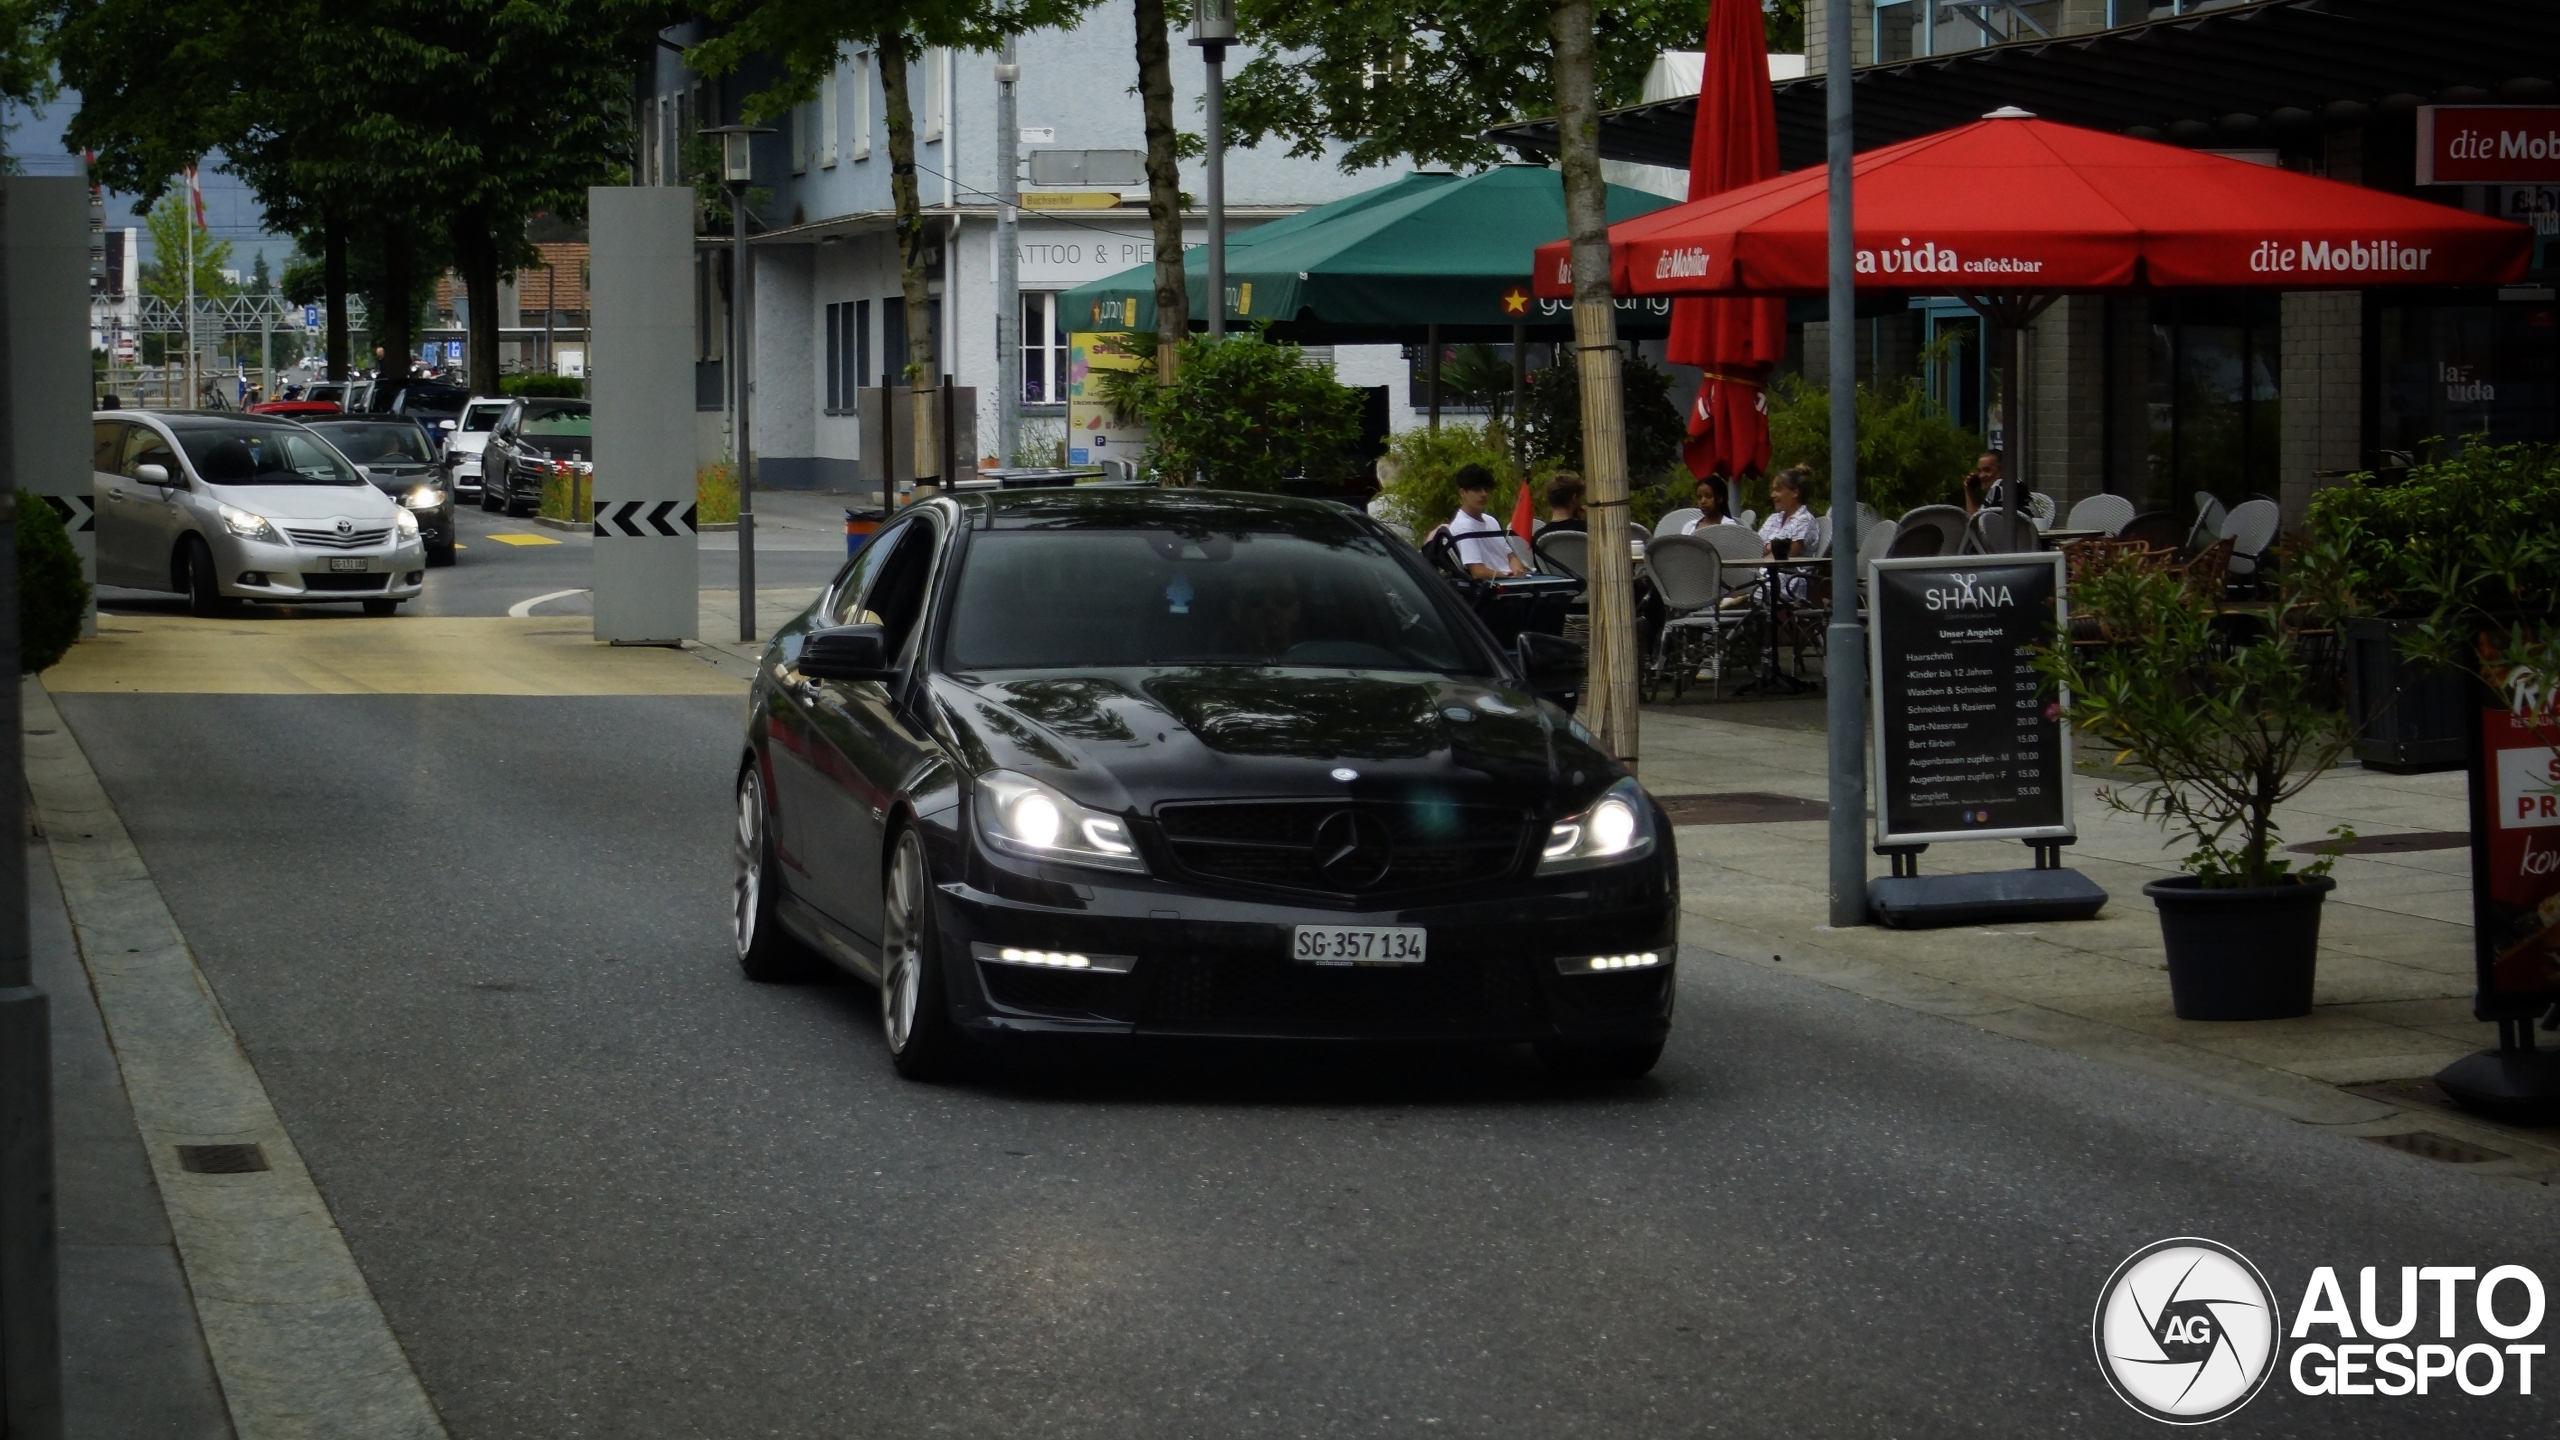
{"points": [[1352, 850], [346, 526]]}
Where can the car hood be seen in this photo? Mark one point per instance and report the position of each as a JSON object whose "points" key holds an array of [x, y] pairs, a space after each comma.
{"points": [[1129, 739], [559, 447], [308, 502], [403, 478]]}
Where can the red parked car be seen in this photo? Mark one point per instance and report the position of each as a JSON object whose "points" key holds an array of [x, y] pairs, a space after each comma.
{"points": [[296, 409]]}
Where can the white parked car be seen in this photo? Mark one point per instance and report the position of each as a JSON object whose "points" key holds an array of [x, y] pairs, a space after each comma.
{"points": [[463, 444], [222, 507]]}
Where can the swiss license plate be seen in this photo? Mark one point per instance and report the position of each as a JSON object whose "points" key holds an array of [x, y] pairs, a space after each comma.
{"points": [[1359, 945], [337, 562]]}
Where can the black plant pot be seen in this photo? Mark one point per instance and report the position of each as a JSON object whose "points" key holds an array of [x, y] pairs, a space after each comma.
{"points": [[2240, 954]]}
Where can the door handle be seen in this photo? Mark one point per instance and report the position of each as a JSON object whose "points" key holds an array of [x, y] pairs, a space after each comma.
{"points": [[114, 496]]}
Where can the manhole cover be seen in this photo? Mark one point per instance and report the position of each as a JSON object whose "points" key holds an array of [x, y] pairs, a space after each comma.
{"points": [[2428, 1145], [2400, 844], [1739, 807], [221, 1159]]}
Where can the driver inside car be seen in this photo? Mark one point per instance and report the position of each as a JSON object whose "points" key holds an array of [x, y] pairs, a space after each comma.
{"points": [[1263, 608]]}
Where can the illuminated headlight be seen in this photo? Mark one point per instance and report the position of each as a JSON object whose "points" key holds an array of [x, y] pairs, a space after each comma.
{"points": [[1617, 826], [1600, 964], [1053, 959], [1021, 816], [407, 521], [425, 497], [247, 526]]}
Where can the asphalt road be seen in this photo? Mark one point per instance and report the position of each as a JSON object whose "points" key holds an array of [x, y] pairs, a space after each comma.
{"points": [[604, 1186]]}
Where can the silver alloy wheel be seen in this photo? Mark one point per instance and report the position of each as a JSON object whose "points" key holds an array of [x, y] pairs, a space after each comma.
{"points": [[749, 890], [902, 944]]}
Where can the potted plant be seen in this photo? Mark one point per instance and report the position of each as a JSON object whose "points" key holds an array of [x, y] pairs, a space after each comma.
{"points": [[2218, 719]]}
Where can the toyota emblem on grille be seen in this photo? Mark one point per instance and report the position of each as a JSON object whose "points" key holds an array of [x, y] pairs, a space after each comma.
{"points": [[346, 526], [1352, 849]]}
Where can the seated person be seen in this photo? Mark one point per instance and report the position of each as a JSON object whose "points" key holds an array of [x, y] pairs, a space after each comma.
{"points": [[1263, 611], [1483, 546], [1789, 520], [1711, 509], [1982, 487], [1564, 502]]}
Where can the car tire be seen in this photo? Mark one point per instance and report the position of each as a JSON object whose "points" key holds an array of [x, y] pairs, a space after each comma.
{"points": [[439, 556], [488, 495], [767, 953], [382, 607], [915, 1007], [203, 584], [1592, 1062]]}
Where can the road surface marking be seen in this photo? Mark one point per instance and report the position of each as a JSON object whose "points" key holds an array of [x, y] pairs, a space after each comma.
{"points": [[295, 1333], [521, 539], [523, 609], [307, 653]]}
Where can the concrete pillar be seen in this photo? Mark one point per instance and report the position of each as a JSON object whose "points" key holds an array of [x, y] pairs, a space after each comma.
{"points": [[789, 376], [2322, 385], [49, 383], [640, 373], [2066, 399]]}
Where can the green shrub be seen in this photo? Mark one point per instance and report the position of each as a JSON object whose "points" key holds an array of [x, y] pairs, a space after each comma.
{"points": [[555, 496], [51, 595], [1425, 465], [715, 494], [1551, 422], [539, 386], [1244, 413], [1909, 452]]}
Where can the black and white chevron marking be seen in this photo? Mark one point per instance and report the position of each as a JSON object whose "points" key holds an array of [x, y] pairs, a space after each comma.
{"points": [[645, 518], [78, 514]]}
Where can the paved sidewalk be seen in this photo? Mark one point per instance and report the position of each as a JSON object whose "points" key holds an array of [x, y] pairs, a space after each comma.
{"points": [[2394, 993]]}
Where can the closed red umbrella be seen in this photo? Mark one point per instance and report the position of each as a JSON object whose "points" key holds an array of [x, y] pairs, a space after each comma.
{"points": [[1737, 342]]}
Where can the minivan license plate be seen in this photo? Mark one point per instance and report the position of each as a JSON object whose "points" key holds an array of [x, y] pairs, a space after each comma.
{"points": [[1359, 945], [346, 563]]}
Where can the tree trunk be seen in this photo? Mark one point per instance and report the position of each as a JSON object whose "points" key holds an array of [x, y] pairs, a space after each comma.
{"points": [[333, 288], [475, 244], [1609, 694], [1164, 186], [394, 334], [923, 423]]}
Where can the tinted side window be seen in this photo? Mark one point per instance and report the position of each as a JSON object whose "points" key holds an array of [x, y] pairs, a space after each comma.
{"points": [[897, 596], [145, 447], [843, 607], [106, 445]]}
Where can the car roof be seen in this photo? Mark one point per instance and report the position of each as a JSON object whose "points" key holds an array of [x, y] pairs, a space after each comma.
{"points": [[1127, 507], [194, 419]]}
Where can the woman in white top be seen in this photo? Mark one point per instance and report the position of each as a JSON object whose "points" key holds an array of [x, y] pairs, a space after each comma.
{"points": [[1790, 521], [1710, 506]]}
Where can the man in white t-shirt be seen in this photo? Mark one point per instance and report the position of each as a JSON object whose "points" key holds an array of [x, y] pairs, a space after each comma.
{"points": [[1484, 547]]}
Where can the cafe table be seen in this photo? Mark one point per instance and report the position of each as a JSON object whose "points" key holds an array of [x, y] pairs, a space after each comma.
{"points": [[1771, 588]]}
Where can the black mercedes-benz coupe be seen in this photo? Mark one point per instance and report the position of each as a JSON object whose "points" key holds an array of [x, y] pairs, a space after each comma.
{"points": [[1127, 761]]}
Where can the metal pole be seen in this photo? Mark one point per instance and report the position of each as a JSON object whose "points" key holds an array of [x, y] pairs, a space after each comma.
{"points": [[195, 391], [2013, 455], [742, 297], [1519, 395], [1214, 186], [30, 1295], [1008, 260], [1845, 647], [1431, 372]]}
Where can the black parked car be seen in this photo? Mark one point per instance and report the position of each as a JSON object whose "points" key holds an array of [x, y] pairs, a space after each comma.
{"points": [[529, 437], [1126, 761], [401, 460], [435, 404]]}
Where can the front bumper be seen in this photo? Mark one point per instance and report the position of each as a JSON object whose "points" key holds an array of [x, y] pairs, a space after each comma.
{"points": [[293, 574], [1220, 967]]}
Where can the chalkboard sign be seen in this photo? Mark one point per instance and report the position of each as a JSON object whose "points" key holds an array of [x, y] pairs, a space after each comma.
{"points": [[1966, 747]]}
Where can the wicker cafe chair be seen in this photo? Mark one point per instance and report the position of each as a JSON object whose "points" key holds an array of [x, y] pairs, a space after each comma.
{"points": [[1948, 520], [1676, 522], [1992, 533], [2110, 513], [1689, 575], [2209, 517], [2251, 527], [2086, 560], [1736, 545], [2158, 529], [2209, 571], [1916, 540], [1565, 552], [2039, 508]]}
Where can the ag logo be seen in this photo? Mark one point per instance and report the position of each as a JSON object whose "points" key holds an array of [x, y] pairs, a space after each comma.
{"points": [[2186, 1331]]}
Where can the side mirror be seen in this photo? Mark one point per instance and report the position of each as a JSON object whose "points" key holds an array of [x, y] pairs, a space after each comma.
{"points": [[846, 652], [152, 474], [365, 470], [1551, 664]]}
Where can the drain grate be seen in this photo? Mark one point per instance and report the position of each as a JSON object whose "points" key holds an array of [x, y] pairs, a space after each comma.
{"points": [[2400, 844], [2428, 1145], [221, 1159], [1739, 807]]}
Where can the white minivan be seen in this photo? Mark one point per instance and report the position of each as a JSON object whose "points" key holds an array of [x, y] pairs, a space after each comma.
{"points": [[221, 507]]}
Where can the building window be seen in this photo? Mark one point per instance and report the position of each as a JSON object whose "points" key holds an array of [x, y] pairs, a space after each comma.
{"points": [[829, 122], [937, 97], [2450, 370], [835, 357], [801, 139], [2213, 398], [893, 340], [848, 354], [1900, 31], [1044, 350], [861, 345], [861, 104]]}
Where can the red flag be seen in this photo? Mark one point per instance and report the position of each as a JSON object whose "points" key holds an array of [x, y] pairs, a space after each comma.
{"points": [[1738, 342], [1523, 520], [195, 196]]}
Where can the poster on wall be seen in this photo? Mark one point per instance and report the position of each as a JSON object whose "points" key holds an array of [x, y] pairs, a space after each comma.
{"points": [[1094, 435], [2515, 860]]}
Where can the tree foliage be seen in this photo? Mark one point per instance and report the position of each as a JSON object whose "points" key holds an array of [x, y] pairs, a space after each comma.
{"points": [[1245, 414], [1551, 424], [164, 277], [1421, 80], [1909, 452]]}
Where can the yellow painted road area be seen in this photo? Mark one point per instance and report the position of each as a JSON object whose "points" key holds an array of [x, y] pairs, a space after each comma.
{"points": [[519, 539], [288, 654]]}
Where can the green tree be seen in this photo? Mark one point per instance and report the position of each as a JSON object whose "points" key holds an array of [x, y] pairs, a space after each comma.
{"points": [[164, 275], [1242, 414]]}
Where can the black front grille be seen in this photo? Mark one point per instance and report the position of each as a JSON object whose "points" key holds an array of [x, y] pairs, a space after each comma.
{"points": [[1276, 842], [346, 584], [1261, 993]]}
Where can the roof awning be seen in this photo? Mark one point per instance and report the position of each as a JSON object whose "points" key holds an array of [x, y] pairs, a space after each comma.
{"points": [[2247, 75]]}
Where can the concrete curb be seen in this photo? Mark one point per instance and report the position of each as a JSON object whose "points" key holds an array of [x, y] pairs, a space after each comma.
{"points": [[553, 523], [296, 1336]]}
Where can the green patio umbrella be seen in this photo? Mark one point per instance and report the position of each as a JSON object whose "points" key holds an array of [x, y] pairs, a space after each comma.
{"points": [[1387, 264]]}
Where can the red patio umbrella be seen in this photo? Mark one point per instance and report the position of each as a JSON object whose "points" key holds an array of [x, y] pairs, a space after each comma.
{"points": [[1737, 342], [2011, 211]]}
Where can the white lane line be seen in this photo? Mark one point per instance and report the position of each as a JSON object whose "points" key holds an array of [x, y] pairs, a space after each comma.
{"points": [[523, 609], [296, 1336]]}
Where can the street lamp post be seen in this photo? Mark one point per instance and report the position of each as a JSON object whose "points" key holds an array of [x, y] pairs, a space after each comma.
{"points": [[736, 169], [1008, 258], [1213, 29]]}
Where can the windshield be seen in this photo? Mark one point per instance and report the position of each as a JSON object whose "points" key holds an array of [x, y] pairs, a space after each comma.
{"points": [[481, 419], [1087, 599], [371, 444], [262, 455], [559, 422]]}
